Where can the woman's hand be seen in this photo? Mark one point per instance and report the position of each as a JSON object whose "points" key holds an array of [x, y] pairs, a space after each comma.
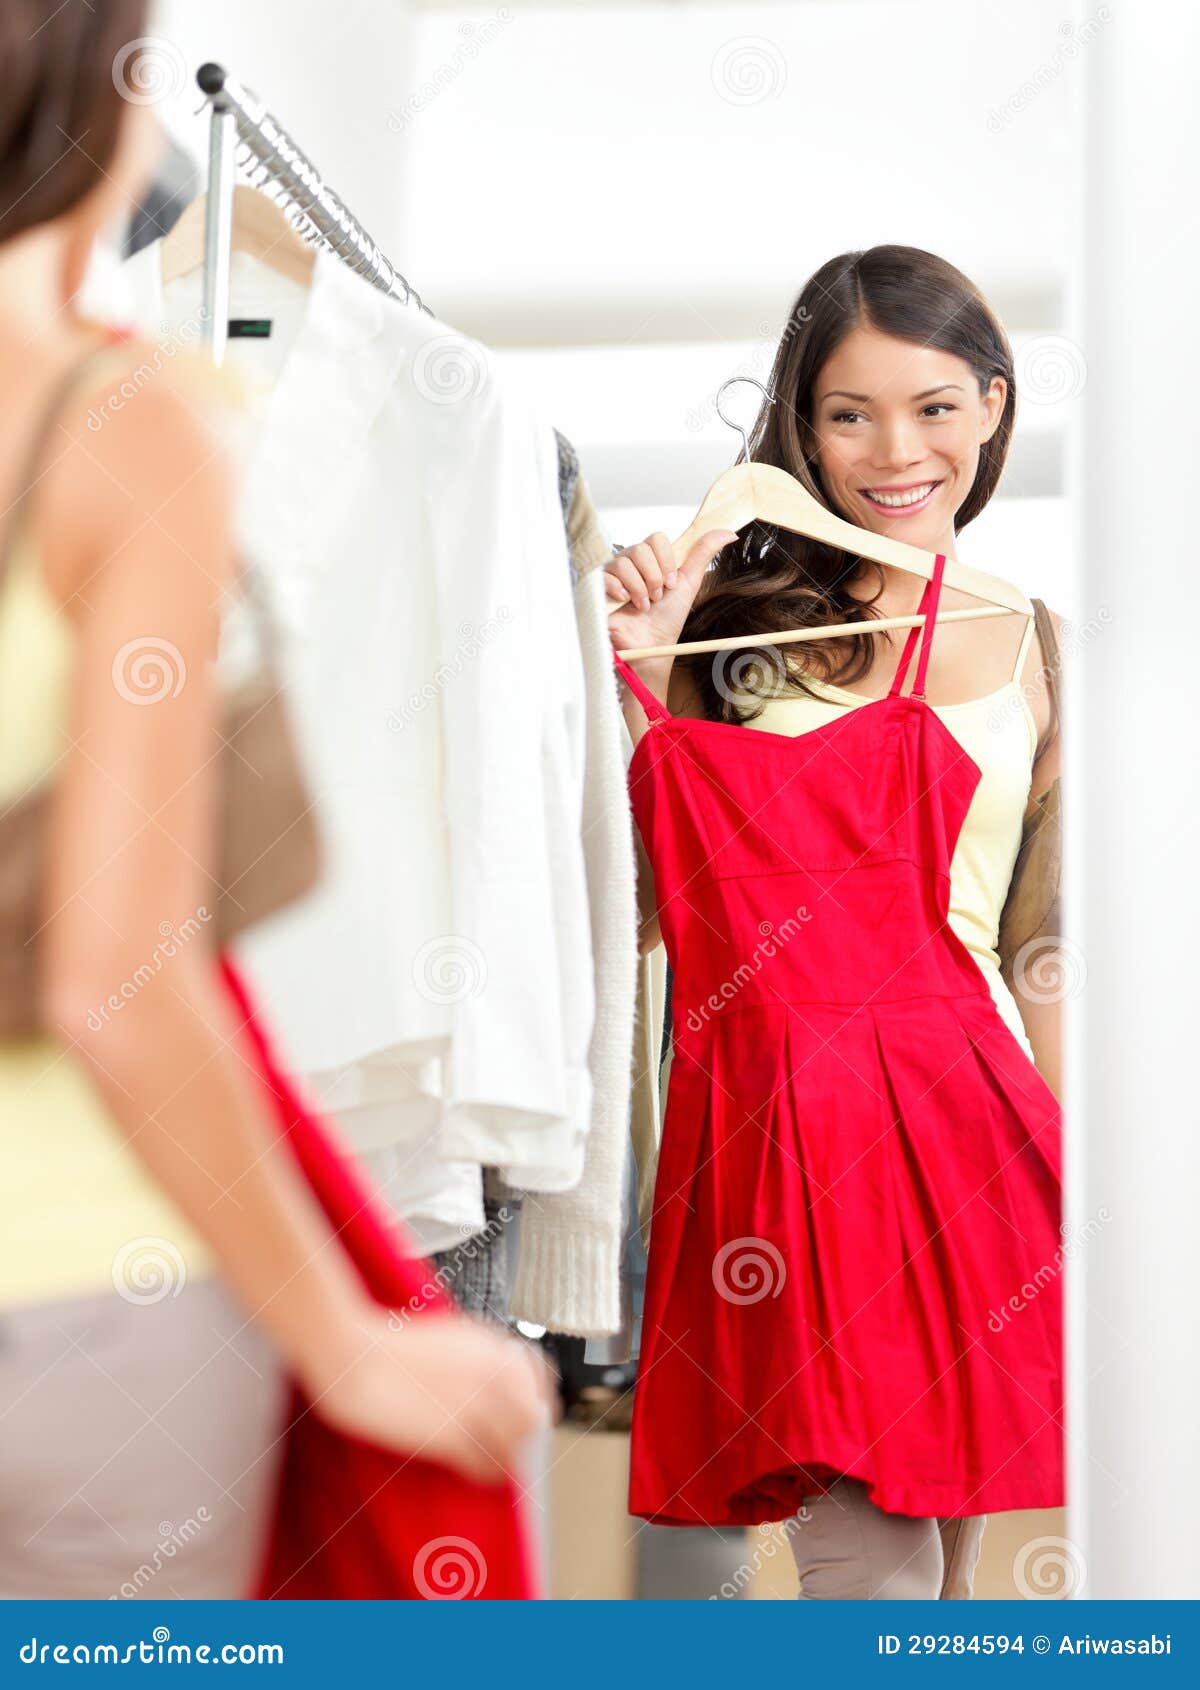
{"points": [[443, 1386], [654, 593]]}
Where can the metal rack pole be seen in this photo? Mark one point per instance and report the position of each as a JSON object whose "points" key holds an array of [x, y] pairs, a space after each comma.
{"points": [[218, 230], [289, 169]]}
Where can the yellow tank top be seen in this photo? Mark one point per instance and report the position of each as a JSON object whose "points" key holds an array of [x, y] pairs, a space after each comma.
{"points": [[78, 1213], [999, 733]]}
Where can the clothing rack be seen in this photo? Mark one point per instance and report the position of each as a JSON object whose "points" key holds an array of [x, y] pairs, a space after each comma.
{"points": [[269, 155]]}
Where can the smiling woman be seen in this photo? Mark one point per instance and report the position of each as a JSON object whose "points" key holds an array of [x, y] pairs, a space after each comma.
{"points": [[893, 403], [856, 446]]}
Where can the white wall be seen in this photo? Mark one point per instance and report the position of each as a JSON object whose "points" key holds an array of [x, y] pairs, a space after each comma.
{"points": [[675, 171], [1133, 702], [628, 197], [329, 70]]}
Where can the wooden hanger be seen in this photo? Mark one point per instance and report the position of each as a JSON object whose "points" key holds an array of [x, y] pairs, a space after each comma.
{"points": [[259, 228], [751, 492]]}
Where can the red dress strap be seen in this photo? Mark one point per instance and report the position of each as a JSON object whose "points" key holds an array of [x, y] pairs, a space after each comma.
{"points": [[928, 607], [654, 707]]}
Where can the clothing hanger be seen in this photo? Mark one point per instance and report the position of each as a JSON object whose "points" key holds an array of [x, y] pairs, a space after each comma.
{"points": [[751, 491], [259, 228]]}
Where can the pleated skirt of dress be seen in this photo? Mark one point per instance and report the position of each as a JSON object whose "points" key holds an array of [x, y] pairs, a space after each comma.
{"points": [[856, 1269]]}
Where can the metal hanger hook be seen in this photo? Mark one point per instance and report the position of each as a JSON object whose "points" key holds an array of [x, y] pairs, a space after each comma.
{"points": [[728, 421]]}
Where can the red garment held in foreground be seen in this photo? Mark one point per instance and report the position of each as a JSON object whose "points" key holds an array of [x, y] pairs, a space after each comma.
{"points": [[855, 1261], [355, 1521]]}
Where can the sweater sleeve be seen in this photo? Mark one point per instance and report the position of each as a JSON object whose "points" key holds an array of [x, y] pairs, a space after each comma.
{"points": [[569, 1254]]}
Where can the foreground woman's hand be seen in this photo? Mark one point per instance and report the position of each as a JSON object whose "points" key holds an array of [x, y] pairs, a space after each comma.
{"points": [[443, 1386]]}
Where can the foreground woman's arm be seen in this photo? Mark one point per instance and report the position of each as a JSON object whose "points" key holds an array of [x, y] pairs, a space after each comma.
{"points": [[139, 536]]}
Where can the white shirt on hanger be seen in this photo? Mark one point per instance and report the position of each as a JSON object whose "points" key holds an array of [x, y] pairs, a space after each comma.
{"points": [[402, 504]]}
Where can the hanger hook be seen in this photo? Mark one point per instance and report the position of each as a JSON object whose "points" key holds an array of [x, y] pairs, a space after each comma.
{"points": [[728, 421]]}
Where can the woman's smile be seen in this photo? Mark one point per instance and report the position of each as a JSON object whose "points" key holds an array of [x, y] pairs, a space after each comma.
{"points": [[905, 499]]}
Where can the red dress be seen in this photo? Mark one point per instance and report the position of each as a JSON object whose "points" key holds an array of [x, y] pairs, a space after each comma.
{"points": [[354, 1521], [855, 1260]]}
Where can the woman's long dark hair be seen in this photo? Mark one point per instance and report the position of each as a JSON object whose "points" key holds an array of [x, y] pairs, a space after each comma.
{"points": [[771, 579], [62, 106]]}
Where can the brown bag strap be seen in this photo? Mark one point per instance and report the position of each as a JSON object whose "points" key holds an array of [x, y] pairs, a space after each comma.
{"points": [[43, 433], [1051, 659]]}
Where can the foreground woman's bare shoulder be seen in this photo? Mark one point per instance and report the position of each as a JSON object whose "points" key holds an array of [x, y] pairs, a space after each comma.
{"points": [[142, 450]]}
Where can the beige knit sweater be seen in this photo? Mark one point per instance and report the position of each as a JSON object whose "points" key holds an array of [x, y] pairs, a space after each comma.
{"points": [[569, 1252]]}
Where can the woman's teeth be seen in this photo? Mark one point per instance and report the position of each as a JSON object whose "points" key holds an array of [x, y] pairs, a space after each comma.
{"points": [[896, 501]]}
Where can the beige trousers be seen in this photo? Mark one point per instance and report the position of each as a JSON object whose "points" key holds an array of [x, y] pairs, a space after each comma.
{"points": [[139, 1446], [847, 1549]]}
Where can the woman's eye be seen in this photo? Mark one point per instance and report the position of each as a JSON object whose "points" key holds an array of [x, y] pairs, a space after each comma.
{"points": [[846, 416], [940, 405]]}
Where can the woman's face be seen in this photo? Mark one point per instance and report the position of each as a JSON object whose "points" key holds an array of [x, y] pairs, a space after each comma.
{"points": [[899, 427]]}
